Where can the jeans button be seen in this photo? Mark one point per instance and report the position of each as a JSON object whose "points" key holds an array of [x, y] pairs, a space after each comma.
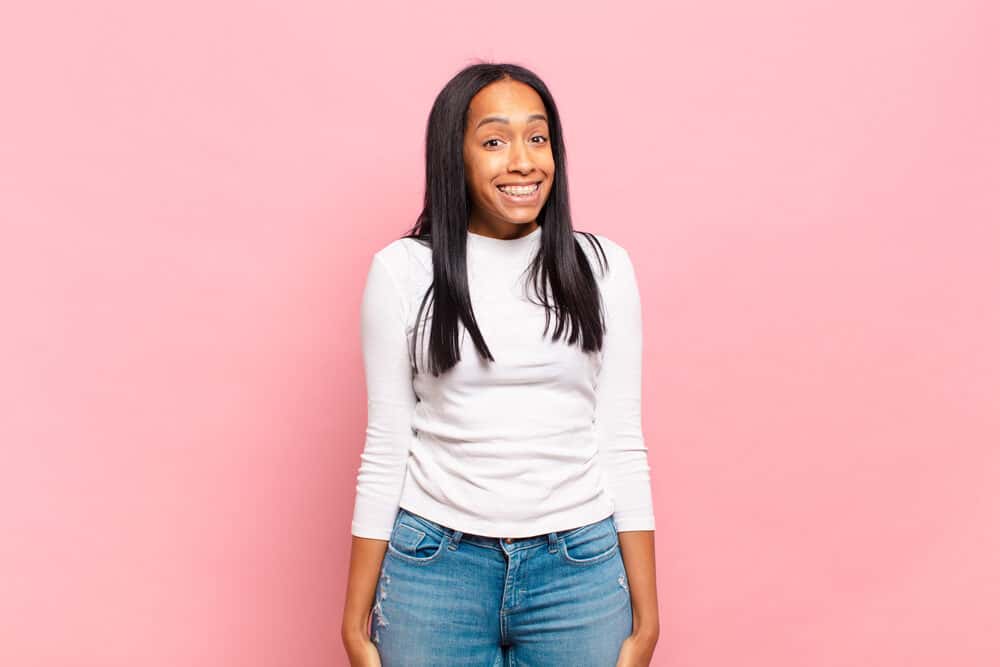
{"points": [[508, 540]]}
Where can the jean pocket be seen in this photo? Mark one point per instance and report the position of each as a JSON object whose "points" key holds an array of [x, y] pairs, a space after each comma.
{"points": [[415, 540], [593, 543]]}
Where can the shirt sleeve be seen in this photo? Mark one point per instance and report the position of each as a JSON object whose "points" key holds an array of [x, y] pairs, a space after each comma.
{"points": [[618, 415], [391, 401]]}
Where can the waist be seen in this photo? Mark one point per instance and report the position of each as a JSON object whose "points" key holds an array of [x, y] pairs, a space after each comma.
{"points": [[443, 531]]}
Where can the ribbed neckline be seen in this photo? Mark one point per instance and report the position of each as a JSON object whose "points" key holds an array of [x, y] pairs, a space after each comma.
{"points": [[490, 243]]}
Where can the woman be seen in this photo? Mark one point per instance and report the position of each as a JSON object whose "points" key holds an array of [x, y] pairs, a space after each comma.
{"points": [[503, 513]]}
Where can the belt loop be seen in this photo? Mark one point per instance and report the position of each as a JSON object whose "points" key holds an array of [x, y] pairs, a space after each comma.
{"points": [[553, 542], [456, 537]]}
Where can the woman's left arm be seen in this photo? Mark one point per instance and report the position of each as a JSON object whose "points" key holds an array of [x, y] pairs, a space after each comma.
{"points": [[623, 451], [638, 552]]}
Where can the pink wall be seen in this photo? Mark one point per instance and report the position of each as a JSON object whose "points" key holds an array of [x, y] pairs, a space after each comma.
{"points": [[189, 195]]}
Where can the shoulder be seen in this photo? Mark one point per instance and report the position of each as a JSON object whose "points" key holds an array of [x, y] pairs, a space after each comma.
{"points": [[403, 258], [606, 255]]}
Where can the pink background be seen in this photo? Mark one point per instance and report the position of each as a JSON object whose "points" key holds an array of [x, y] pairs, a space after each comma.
{"points": [[189, 196]]}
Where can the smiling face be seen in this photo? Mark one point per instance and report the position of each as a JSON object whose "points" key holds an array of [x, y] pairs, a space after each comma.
{"points": [[508, 160]]}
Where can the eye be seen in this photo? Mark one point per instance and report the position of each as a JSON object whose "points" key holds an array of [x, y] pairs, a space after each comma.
{"points": [[487, 143], [538, 136]]}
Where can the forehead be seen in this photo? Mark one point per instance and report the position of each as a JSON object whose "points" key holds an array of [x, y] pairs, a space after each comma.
{"points": [[505, 98]]}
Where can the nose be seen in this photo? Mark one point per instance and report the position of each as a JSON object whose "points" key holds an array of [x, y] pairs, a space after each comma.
{"points": [[520, 159]]}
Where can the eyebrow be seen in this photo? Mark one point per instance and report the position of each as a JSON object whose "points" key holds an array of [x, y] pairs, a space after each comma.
{"points": [[506, 121]]}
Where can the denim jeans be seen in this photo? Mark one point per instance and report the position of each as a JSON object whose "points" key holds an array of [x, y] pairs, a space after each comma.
{"points": [[447, 598]]}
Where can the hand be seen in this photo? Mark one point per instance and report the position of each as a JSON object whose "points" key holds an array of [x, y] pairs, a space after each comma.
{"points": [[363, 653], [636, 651]]}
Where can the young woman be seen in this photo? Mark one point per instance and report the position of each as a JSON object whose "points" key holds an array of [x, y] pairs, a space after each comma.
{"points": [[503, 513]]}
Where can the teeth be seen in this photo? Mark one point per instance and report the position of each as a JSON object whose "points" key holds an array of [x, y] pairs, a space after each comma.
{"points": [[519, 189]]}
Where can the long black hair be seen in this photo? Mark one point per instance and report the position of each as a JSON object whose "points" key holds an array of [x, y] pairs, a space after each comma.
{"points": [[560, 266]]}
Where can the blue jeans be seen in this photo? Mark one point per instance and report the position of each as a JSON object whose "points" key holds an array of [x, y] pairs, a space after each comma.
{"points": [[447, 598]]}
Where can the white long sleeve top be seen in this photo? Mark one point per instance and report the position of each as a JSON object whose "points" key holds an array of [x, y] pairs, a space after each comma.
{"points": [[545, 438]]}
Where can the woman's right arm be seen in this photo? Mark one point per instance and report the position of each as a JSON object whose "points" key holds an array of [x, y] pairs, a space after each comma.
{"points": [[391, 401], [366, 561]]}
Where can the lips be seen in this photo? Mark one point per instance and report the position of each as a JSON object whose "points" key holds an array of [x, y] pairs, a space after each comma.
{"points": [[519, 188], [521, 195]]}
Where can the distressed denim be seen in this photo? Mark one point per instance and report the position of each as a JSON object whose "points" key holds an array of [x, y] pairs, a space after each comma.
{"points": [[448, 599]]}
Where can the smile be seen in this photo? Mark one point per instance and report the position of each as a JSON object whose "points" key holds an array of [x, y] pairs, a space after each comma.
{"points": [[518, 189], [520, 193]]}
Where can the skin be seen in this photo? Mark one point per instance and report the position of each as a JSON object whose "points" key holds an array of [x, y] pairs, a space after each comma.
{"points": [[506, 142]]}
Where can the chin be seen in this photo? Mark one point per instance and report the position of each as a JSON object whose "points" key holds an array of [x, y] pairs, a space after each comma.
{"points": [[525, 218]]}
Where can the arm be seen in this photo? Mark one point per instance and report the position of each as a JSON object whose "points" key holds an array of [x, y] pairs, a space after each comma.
{"points": [[623, 451], [366, 562], [389, 384], [640, 564]]}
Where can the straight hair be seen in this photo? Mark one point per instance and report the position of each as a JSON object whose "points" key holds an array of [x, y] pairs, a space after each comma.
{"points": [[559, 270]]}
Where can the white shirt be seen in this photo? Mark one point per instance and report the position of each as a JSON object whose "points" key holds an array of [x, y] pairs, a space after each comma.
{"points": [[545, 438]]}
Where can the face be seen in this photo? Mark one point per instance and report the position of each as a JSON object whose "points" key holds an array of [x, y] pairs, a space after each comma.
{"points": [[508, 159]]}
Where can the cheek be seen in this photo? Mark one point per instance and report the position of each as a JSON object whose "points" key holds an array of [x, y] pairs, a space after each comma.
{"points": [[479, 180], [476, 169], [549, 167], [473, 167], [550, 164], [482, 175]]}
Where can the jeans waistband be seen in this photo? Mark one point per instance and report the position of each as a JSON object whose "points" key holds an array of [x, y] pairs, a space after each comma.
{"points": [[456, 536]]}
